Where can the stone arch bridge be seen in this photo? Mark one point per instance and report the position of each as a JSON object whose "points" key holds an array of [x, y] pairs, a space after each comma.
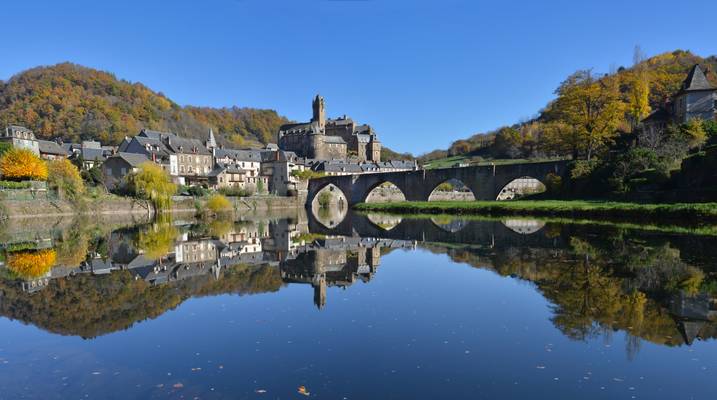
{"points": [[484, 181]]}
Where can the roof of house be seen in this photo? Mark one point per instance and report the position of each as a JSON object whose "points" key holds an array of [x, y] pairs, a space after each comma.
{"points": [[658, 115], [174, 143], [94, 154], [696, 80], [50, 147], [228, 168], [133, 159], [239, 155]]}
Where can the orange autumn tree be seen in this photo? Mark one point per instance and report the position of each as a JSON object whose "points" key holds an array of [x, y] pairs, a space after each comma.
{"points": [[19, 164], [31, 264]]}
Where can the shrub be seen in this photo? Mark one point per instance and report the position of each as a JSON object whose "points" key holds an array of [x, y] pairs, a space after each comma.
{"points": [[197, 191], [19, 164], [14, 185], [236, 191], [553, 183], [307, 174], [583, 168], [65, 178], [218, 203]]}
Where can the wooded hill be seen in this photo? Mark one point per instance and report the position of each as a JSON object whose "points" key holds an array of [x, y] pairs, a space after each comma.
{"points": [[639, 89], [79, 103]]}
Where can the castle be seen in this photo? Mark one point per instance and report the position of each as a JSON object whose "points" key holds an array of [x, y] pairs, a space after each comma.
{"points": [[330, 139]]}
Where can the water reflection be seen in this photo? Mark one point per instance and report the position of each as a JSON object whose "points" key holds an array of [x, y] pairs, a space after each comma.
{"points": [[653, 287]]}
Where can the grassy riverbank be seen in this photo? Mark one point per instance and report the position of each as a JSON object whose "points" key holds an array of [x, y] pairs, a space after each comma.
{"points": [[691, 213]]}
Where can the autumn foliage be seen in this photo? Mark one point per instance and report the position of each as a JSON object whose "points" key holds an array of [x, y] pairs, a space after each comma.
{"points": [[31, 264], [65, 177], [22, 164], [79, 103]]}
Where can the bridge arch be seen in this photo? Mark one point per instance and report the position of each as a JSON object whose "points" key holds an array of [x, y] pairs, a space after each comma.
{"points": [[330, 205], [451, 189], [390, 191], [520, 187]]}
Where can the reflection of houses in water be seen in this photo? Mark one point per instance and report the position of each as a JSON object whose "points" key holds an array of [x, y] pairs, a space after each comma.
{"points": [[337, 261], [695, 313]]}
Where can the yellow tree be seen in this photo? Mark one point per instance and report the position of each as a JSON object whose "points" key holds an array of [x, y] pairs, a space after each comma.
{"points": [[592, 108], [19, 164], [65, 177], [152, 183], [695, 132], [638, 106]]}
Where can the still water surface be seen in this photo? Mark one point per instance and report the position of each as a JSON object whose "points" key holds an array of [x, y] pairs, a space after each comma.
{"points": [[361, 307]]}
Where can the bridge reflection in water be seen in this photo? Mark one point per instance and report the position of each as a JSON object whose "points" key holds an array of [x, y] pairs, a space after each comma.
{"points": [[155, 264]]}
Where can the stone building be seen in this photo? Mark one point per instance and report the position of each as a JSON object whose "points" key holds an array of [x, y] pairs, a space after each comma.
{"points": [[697, 98], [330, 139], [188, 161], [21, 137]]}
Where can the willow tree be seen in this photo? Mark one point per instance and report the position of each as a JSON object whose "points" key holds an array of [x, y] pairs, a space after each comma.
{"points": [[152, 183], [593, 110]]}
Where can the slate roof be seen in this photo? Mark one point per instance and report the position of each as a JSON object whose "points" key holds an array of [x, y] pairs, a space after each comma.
{"points": [[658, 115], [17, 130], [229, 168], [50, 147], [696, 80], [94, 154], [334, 140], [239, 155], [174, 143], [133, 159]]}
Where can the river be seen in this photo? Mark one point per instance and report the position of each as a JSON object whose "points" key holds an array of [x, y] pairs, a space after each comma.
{"points": [[352, 306]]}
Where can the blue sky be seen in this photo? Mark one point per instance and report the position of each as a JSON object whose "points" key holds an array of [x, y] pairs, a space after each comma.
{"points": [[423, 73]]}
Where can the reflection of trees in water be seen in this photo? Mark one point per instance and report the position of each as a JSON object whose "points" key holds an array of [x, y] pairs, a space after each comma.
{"points": [[90, 305], [384, 221], [157, 240], [30, 264], [600, 284]]}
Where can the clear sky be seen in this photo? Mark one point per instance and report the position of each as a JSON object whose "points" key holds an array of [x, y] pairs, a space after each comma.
{"points": [[423, 73]]}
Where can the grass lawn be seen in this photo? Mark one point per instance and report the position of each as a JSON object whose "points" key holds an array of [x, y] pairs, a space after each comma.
{"points": [[687, 213]]}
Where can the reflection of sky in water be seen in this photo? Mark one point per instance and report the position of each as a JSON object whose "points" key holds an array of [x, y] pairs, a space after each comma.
{"points": [[423, 327]]}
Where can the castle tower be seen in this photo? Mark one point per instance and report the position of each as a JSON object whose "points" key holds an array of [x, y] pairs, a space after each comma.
{"points": [[319, 111], [373, 151]]}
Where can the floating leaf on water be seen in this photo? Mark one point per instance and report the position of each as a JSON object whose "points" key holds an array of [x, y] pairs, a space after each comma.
{"points": [[302, 390], [260, 391], [178, 385]]}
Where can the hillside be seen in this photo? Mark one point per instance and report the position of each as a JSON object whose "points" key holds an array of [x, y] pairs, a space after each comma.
{"points": [[664, 73], [75, 103]]}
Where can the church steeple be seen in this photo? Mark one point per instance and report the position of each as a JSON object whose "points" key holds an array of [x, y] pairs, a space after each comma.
{"points": [[211, 142]]}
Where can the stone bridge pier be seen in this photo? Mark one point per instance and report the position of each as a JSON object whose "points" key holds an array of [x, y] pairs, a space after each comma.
{"points": [[485, 182]]}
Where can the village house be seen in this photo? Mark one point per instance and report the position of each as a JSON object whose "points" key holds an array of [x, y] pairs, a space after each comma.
{"points": [[697, 98], [187, 161], [21, 137], [246, 163], [116, 168], [50, 150]]}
